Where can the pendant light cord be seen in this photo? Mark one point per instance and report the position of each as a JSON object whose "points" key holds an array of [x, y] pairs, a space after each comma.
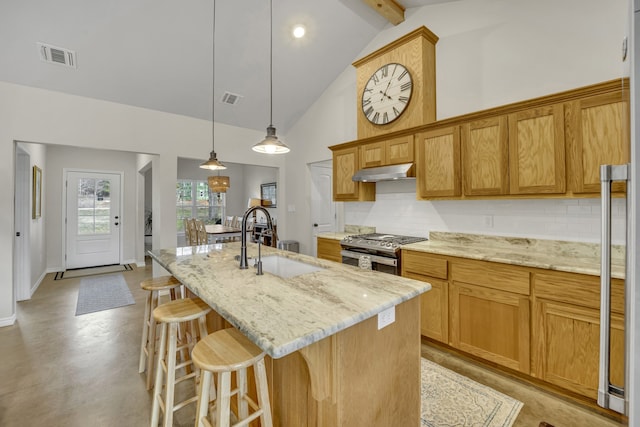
{"points": [[213, 81], [271, 64]]}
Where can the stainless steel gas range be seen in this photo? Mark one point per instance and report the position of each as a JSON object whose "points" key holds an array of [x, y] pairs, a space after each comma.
{"points": [[383, 249]]}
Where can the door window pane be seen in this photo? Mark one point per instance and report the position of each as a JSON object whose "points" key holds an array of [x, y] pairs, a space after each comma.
{"points": [[94, 206]]}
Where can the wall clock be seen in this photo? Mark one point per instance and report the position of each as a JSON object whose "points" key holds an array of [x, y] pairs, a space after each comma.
{"points": [[387, 94]]}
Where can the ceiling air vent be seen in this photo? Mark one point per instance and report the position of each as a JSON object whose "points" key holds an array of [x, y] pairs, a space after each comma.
{"points": [[231, 98], [57, 55]]}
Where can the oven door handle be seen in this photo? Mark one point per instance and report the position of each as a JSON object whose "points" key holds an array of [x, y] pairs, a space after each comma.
{"points": [[374, 258]]}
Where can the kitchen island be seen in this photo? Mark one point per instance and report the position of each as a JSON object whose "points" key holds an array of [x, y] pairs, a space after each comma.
{"points": [[332, 361]]}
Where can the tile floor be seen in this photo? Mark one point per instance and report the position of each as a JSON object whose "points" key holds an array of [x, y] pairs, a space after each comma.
{"points": [[61, 370]]}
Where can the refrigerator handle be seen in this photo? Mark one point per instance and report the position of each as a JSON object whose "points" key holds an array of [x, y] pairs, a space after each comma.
{"points": [[609, 396]]}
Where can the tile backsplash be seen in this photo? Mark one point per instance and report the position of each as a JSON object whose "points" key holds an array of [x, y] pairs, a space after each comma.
{"points": [[555, 219]]}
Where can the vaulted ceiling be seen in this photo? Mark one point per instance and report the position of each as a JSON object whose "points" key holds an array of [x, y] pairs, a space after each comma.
{"points": [[157, 54]]}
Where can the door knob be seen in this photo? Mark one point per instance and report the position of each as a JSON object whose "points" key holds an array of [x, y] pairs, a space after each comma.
{"points": [[315, 225]]}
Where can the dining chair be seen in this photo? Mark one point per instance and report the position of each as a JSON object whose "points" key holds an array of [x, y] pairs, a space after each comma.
{"points": [[201, 232]]}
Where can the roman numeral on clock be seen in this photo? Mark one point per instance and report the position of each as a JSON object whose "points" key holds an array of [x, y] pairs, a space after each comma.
{"points": [[405, 86], [403, 99]]}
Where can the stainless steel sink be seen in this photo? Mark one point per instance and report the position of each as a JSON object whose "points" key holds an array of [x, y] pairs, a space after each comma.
{"points": [[286, 267]]}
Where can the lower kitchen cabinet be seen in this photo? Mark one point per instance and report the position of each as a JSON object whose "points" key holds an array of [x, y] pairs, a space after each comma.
{"points": [[491, 324], [329, 249], [434, 305], [566, 331]]}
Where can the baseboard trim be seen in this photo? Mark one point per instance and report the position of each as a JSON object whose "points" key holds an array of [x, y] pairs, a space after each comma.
{"points": [[34, 288], [8, 321]]}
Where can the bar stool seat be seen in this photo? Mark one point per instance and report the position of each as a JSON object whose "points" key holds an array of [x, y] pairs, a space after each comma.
{"points": [[148, 345], [224, 352], [171, 315]]}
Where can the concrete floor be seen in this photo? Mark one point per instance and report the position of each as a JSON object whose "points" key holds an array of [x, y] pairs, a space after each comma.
{"points": [[61, 370]]}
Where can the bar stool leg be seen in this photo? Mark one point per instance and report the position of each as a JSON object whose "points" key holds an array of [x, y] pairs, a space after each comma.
{"points": [[157, 388], [170, 362], [145, 334], [263, 393], [223, 401], [202, 410], [243, 405], [151, 346]]}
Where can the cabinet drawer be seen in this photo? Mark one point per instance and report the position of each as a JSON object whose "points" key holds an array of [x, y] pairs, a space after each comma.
{"points": [[329, 249], [424, 264], [577, 289], [491, 275]]}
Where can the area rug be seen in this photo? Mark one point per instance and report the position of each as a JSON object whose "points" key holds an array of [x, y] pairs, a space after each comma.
{"points": [[102, 293], [92, 271], [450, 399]]}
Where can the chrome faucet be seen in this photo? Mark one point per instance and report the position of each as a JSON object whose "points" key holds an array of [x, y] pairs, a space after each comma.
{"points": [[244, 264]]}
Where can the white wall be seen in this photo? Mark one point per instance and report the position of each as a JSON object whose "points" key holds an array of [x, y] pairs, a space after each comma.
{"points": [[40, 116], [37, 237], [490, 53], [60, 157]]}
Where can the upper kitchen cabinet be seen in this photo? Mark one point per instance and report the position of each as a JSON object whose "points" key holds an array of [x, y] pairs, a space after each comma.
{"points": [[345, 164], [389, 152], [438, 163], [485, 153], [597, 132], [537, 151], [396, 85]]}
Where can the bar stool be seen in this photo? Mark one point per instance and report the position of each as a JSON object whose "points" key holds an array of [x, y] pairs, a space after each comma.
{"points": [[224, 352], [171, 315], [148, 345]]}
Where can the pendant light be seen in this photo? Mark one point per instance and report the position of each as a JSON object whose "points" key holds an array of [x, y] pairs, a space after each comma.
{"points": [[271, 144], [213, 163]]}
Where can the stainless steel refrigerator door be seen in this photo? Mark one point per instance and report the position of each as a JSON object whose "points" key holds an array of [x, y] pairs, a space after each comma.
{"points": [[610, 396]]}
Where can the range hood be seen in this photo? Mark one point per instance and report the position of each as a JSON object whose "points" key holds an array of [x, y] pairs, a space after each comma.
{"points": [[385, 173]]}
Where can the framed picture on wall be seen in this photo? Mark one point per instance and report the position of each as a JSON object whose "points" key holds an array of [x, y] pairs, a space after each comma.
{"points": [[36, 211], [268, 194]]}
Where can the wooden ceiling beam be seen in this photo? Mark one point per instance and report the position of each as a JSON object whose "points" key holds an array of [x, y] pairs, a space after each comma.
{"points": [[389, 9]]}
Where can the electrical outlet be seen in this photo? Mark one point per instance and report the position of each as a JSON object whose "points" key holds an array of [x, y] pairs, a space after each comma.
{"points": [[386, 317], [488, 221]]}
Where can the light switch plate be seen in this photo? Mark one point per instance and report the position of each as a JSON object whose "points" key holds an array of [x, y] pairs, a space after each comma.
{"points": [[386, 317]]}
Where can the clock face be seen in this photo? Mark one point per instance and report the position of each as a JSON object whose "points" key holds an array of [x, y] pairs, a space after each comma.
{"points": [[387, 94]]}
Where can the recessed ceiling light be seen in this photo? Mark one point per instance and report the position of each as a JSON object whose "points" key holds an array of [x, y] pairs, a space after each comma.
{"points": [[298, 31]]}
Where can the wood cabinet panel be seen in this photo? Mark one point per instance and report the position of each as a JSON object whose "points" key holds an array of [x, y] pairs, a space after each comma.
{"points": [[566, 339], [388, 152], [491, 275], [438, 163], [577, 289], [485, 153], [400, 150], [537, 151], [345, 165], [597, 130], [491, 324], [329, 249], [373, 154], [421, 263]]}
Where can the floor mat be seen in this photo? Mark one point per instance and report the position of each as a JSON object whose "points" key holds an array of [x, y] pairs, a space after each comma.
{"points": [[92, 271], [450, 399], [102, 293]]}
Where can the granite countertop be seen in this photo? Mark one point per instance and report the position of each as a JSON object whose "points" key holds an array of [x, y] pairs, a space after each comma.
{"points": [[284, 315], [572, 257], [333, 235]]}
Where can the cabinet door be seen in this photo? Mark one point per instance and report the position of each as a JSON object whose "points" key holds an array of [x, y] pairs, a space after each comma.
{"points": [[438, 172], [597, 134], [400, 150], [485, 153], [567, 340], [345, 165], [491, 324], [537, 151], [329, 249], [373, 154]]}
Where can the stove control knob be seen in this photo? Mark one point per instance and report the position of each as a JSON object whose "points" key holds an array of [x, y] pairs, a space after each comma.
{"points": [[394, 245]]}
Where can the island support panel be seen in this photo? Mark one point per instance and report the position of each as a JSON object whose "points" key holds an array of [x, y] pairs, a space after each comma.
{"points": [[361, 376]]}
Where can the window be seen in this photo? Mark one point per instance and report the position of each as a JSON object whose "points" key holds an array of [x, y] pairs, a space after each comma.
{"points": [[194, 200]]}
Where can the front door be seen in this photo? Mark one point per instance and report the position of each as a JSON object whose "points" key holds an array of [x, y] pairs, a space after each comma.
{"points": [[92, 219]]}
